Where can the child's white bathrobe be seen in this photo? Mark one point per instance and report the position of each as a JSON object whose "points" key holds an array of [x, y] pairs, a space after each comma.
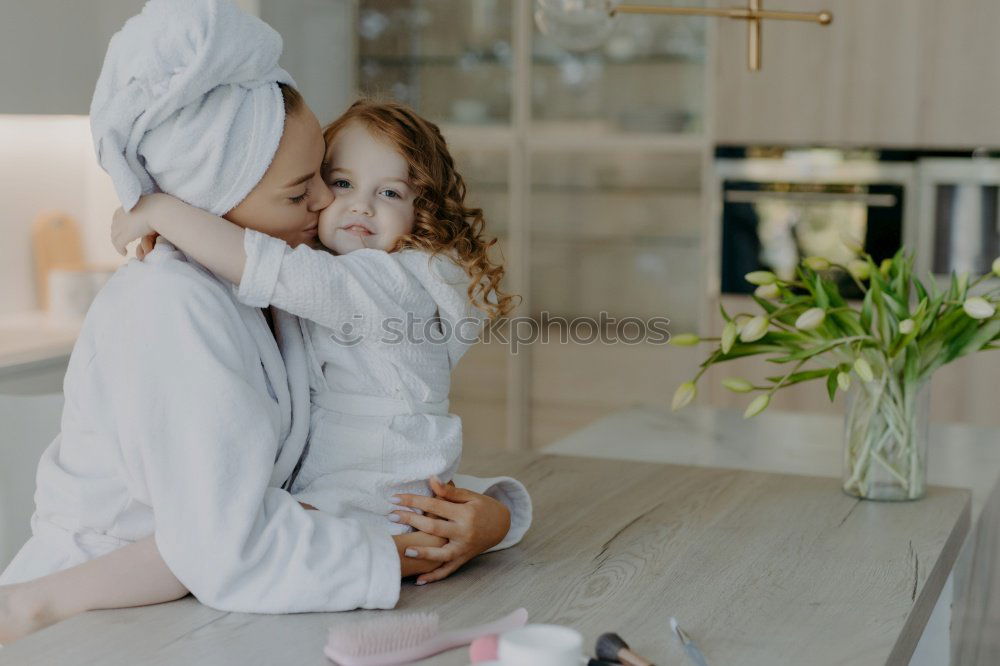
{"points": [[184, 416], [383, 333]]}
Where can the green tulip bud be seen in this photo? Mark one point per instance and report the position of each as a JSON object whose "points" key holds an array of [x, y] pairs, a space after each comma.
{"points": [[978, 307], [755, 329], [737, 384], [683, 395], [816, 263], [864, 370], [843, 381], [859, 269], [884, 267], [768, 292], [728, 336], [810, 319], [996, 267], [684, 340], [758, 405], [761, 277]]}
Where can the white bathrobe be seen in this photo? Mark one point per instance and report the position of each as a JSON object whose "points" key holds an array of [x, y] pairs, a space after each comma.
{"points": [[184, 416], [383, 333]]}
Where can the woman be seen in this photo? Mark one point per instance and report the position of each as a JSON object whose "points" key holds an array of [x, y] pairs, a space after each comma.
{"points": [[186, 412]]}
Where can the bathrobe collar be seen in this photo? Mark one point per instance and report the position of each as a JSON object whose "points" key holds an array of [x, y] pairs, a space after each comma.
{"points": [[282, 356]]}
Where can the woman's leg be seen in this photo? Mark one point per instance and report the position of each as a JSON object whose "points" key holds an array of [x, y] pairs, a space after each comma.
{"points": [[134, 575]]}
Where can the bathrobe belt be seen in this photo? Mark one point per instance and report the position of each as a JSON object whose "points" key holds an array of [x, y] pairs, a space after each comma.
{"points": [[370, 405]]}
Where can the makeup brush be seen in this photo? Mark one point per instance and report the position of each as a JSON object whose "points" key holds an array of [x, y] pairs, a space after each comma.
{"points": [[611, 647]]}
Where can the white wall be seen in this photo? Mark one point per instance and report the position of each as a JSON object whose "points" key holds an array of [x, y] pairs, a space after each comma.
{"points": [[51, 51], [48, 163]]}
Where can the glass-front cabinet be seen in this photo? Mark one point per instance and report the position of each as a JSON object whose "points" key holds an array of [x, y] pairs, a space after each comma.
{"points": [[590, 168]]}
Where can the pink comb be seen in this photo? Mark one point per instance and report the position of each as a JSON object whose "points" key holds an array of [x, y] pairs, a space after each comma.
{"points": [[400, 639]]}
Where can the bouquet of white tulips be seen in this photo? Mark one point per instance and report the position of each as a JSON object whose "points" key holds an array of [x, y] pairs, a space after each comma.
{"points": [[887, 346]]}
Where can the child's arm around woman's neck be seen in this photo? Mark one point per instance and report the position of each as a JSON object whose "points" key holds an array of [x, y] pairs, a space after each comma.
{"points": [[212, 241]]}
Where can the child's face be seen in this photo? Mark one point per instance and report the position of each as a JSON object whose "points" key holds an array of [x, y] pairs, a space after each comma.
{"points": [[373, 201]]}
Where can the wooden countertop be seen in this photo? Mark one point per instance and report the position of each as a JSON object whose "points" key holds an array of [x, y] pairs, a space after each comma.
{"points": [[759, 568]]}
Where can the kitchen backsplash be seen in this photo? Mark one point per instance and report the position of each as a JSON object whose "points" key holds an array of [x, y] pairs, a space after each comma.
{"points": [[48, 163]]}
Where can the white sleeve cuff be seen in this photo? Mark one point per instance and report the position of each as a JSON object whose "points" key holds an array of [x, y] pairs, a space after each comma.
{"points": [[383, 593], [512, 494], [260, 273]]}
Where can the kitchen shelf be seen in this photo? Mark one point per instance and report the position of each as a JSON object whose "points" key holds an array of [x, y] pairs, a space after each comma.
{"points": [[633, 240], [488, 59], [584, 137]]}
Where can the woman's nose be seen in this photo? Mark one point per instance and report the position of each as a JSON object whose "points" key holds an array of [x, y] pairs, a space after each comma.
{"points": [[323, 198]]}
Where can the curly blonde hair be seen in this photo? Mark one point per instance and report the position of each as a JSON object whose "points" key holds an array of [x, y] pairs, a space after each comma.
{"points": [[442, 222]]}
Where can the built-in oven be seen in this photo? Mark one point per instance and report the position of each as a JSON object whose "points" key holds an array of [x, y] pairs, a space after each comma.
{"points": [[960, 213], [778, 206]]}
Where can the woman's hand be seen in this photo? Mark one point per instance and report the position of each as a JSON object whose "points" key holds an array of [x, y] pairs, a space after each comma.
{"points": [[471, 523]]}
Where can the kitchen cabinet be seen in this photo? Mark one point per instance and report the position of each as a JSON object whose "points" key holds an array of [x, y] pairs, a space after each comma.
{"points": [[893, 72], [51, 52], [590, 168], [960, 82]]}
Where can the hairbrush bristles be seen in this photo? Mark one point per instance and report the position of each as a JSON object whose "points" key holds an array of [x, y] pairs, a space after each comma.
{"points": [[390, 639], [379, 636]]}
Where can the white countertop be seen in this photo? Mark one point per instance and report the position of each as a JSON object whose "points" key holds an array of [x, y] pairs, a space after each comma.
{"points": [[29, 338], [810, 444]]}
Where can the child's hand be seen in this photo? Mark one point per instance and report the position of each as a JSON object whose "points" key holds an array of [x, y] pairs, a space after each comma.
{"points": [[146, 245], [472, 524], [410, 542], [127, 227]]}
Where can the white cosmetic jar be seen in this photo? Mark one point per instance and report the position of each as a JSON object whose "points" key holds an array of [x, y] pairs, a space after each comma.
{"points": [[541, 645]]}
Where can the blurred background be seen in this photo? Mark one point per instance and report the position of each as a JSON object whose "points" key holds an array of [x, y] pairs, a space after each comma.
{"points": [[632, 167]]}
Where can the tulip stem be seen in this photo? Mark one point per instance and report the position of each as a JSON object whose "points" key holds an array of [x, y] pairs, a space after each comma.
{"points": [[864, 290]]}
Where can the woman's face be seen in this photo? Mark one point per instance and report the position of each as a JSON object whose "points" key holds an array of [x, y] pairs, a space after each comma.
{"points": [[373, 205], [286, 202]]}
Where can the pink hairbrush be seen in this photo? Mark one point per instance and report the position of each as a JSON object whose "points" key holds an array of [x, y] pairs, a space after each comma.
{"points": [[484, 648], [400, 639]]}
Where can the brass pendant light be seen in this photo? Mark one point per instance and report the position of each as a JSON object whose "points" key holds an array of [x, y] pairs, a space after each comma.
{"points": [[577, 14]]}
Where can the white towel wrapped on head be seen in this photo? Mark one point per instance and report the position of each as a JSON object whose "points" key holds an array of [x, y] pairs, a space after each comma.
{"points": [[188, 103]]}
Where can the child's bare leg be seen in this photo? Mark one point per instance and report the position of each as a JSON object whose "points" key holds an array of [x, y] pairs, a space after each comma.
{"points": [[134, 575]]}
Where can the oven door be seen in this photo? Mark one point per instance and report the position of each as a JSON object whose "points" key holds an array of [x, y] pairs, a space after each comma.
{"points": [[959, 214], [773, 226]]}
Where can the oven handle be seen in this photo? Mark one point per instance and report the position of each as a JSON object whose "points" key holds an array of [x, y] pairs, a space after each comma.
{"points": [[870, 200]]}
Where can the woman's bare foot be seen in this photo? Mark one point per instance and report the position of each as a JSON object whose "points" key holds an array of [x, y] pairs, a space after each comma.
{"points": [[22, 612]]}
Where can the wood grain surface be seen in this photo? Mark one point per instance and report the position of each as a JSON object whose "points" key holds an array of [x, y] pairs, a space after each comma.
{"points": [[758, 568]]}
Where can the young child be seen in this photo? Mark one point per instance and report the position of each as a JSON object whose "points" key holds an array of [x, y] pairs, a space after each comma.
{"points": [[388, 311]]}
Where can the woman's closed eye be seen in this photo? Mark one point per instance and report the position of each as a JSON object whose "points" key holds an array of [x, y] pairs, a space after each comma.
{"points": [[299, 199]]}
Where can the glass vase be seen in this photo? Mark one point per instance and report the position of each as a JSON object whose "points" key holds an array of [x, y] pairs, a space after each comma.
{"points": [[885, 439]]}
